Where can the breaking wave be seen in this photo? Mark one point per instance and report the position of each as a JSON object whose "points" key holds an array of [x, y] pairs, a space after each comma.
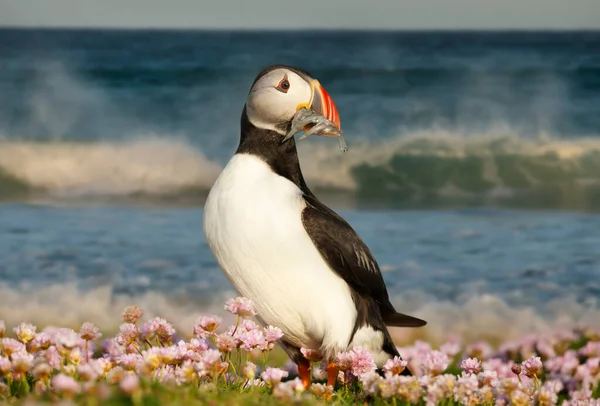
{"points": [[429, 165]]}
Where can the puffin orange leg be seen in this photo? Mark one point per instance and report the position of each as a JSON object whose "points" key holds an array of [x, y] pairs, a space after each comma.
{"points": [[304, 372], [332, 374]]}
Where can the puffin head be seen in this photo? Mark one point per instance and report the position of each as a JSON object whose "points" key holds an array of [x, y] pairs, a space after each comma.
{"points": [[279, 91]]}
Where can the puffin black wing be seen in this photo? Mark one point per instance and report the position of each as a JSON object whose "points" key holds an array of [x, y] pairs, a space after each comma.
{"points": [[350, 258]]}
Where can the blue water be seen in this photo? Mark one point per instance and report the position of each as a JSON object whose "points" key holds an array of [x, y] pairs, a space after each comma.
{"points": [[473, 171]]}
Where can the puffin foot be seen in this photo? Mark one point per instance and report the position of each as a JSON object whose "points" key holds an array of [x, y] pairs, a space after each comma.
{"points": [[332, 374], [304, 372]]}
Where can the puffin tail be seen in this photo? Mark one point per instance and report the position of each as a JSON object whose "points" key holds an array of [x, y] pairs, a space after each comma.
{"points": [[402, 320]]}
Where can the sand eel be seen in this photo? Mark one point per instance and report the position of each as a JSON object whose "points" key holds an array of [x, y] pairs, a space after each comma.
{"points": [[305, 268]]}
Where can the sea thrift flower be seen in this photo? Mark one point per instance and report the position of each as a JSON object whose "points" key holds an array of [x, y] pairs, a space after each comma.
{"points": [[357, 361], [132, 314], [128, 334], [197, 345], [435, 363], [210, 361], [158, 327], [130, 361], [466, 386], [42, 370], [65, 385], [320, 390], [89, 332], [519, 398], [241, 306], [225, 342], [130, 384], [254, 339], [395, 365], [186, 373], [532, 366], [53, 357], [370, 382], [5, 366], [41, 341], [272, 334], [287, 391], [471, 365], [273, 375], [516, 369], [249, 370], [205, 325], [67, 338], [311, 355], [25, 332], [21, 362], [10, 346], [88, 372]]}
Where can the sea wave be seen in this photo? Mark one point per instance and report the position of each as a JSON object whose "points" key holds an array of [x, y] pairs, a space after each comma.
{"points": [[483, 316], [417, 167]]}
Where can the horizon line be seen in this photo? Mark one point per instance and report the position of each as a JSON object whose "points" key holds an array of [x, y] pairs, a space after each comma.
{"points": [[298, 29]]}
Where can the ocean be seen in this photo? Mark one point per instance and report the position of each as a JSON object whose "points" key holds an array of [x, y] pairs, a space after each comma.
{"points": [[473, 170]]}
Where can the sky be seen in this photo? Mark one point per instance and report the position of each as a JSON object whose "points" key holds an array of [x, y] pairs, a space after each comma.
{"points": [[304, 14]]}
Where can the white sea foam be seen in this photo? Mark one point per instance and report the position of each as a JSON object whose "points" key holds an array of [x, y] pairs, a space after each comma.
{"points": [[482, 316]]}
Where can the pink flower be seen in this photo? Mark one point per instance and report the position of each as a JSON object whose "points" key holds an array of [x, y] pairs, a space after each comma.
{"points": [[65, 385], [21, 362], [88, 372], [395, 365], [197, 345], [311, 355], [128, 334], [435, 362], [112, 347], [252, 340], [272, 334], [466, 386], [130, 384], [53, 357], [206, 325], [241, 306], [158, 327], [130, 361], [89, 332], [41, 342], [225, 342], [67, 338], [533, 367], [358, 361], [273, 375], [471, 365], [11, 346], [132, 314], [25, 332], [5, 365], [210, 361], [41, 370]]}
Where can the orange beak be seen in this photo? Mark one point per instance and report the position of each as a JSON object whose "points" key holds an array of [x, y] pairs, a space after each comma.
{"points": [[323, 104]]}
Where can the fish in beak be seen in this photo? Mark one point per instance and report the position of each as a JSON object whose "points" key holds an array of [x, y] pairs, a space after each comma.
{"points": [[319, 116]]}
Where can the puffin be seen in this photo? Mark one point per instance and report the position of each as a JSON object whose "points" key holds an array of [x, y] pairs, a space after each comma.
{"points": [[304, 267]]}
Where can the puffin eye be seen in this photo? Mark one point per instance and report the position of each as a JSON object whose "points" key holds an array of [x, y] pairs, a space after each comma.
{"points": [[284, 85]]}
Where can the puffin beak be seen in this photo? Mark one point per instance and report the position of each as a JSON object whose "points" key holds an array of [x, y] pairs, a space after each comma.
{"points": [[321, 103]]}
